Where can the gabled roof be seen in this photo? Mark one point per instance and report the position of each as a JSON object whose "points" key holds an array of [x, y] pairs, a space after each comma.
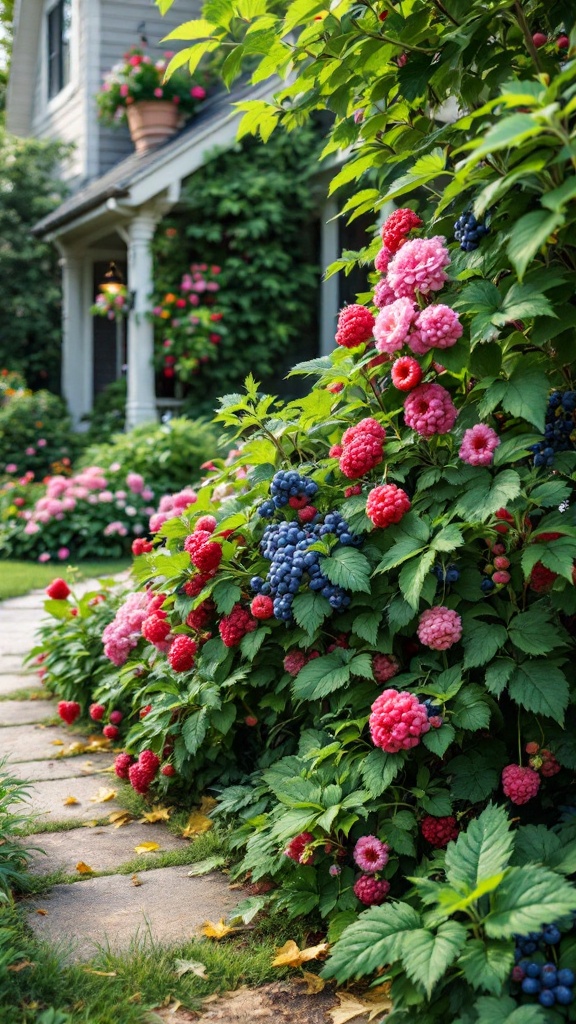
{"points": [[141, 177], [24, 66]]}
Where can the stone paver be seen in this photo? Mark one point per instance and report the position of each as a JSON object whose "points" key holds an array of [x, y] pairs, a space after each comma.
{"points": [[103, 848], [25, 712], [12, 682], [65, 767], [46, 798], [167, 907], [11, 663], [31, 743]]}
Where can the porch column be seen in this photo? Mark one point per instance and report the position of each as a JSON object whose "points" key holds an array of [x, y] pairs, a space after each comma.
{"points": [[141, 399], [77, 368], [329, 291]]}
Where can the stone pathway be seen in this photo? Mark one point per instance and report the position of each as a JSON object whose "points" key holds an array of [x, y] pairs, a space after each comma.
{"points": [[166, 905]]}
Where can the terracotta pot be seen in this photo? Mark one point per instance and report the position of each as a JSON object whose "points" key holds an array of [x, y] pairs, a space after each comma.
{"points": [[151, 122]]}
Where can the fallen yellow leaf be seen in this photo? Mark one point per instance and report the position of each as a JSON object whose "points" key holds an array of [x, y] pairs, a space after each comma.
{"points": [[98, 743], [101, 974], [146, 847], [216, 930], [135, 880], [103, 795], [70, 801], [290, 955], [196, 824], [84, 869], [89, 824], [351, 1007], [157, 814], [20, 966], [207, 804], [43, 913], [190, 967], [314, 983], [57, 743], [119, 818]]}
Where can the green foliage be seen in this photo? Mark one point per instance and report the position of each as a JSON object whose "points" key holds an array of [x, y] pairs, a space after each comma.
{"points": [[30, 324], [13, 854], [27, 419]]}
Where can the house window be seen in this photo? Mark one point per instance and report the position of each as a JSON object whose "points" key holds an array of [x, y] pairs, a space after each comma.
{"points": [[59, 18]]}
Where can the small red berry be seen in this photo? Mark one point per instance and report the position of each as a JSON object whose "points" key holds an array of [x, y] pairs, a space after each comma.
{"points": [[168, 770], [145, 711], [116, 717], [335, 388], [387, 504], [501, 562], [96, 712], [539, 39], [122, 765], [563, 43], [111, 732], [501, 577], [306, 515], [69, 711], [262, 607], [532, 748], [58, 590], [298, 501], [406, 373], [181, 654], [251, 720]]}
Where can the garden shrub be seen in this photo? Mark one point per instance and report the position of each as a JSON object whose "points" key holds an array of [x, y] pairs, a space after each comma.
{"points": [[35, 435]]}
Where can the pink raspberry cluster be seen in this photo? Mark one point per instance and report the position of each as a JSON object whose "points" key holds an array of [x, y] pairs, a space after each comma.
{"points": [[355, 326], [478, 445], [205, 554], [296, 849], [122, 634], [436, 326], [262, 607], [393, 323], [122, 765], [439, 628], [142, 773], [69, 710], [182, 653], [295, 660], [362, 448], [520, 784], [419, 267], [384, 667], [387, 504], [199, 617], [371, 891], [439, 831], [234, 626], [398, 720], [371, 854], [429, 410], [171, 506], [397, 226]]}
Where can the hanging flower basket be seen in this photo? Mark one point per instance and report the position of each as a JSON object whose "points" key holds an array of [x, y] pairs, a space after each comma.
{"points": [[151, 122]]}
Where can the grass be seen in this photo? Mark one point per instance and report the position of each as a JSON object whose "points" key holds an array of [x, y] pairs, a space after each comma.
{"points": [[18, 578]]}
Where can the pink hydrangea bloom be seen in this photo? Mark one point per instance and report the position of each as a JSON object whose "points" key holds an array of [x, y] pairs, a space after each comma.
{"points": [[428, 409], [478, 445], [383, 294], [135, 482], [418, 266], [44, 557], [371, 854], [439, 628], [123, 633], [393, 324], [63, 553], [382, 260], [437, 326]]}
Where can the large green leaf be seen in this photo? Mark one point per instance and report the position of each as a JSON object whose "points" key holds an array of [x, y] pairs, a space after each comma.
{"points": [[426, 956], [482, 851], [375, 939], [528, 235], [310, 609], [413, 576], [320, 677], [482, 640], [540, 687], [528, 896], [533, 633], [194, 730], [526, 394], [347, 568], [482, 500], [487, 965], [505, 1010], [473, 776], [378, 770]]}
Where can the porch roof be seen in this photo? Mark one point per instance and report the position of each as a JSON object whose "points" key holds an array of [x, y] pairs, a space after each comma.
{"points": [[143, 176]]}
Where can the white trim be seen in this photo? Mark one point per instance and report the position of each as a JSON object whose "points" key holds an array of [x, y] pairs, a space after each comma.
{"points": [[52, 105]]}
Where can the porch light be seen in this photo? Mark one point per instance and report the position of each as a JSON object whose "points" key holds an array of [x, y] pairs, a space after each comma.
{"points": [[113, 282]]}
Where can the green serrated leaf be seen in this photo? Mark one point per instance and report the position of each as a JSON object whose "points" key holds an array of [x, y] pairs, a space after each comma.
{"points": [[310, 610], [487, 965], [481, 852], [348, 568], [378, 771], [528, 896], [376, 938], [540, 687], [426, 956]]}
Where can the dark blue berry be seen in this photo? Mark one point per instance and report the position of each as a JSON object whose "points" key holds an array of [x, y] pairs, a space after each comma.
{"points": [[564, 995], [547, 997], [552, 935], [533, 970], [530, 986], [487, 585], [566, 977]]}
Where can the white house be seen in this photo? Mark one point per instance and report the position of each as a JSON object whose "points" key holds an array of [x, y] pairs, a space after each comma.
{"points": [[62, 49]]}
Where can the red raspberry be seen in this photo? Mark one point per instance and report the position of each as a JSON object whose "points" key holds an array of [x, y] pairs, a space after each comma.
{"points": [[69, 710], [234, 626], [181, 653], [58, 590], [501, 562], [74, 612], [111, 732], [335, 388], [145, 710], [200, 616], [206, 523], [298, 501], [138, 778], [406, 373], [350, 491], [397, 226], [335, 451], [195, 585], [532, 748], [251, 720], [541, 579], [208, 557], [517, 973], [96, 712], [360, 456], [387, 504], [368, 426], [149, 762], [439, 628], [539, 39], [294, 662], [116, 717], [505, 517], [355, 325], [501, 577], [371, 891], [550, 765], [194, 541], [155, 605], [122, 765], [439, 831], [141, 546], [307, 514], [436, 721], [563, 43], [155, 629], [168, 769], [296, 848], [397, 722], [498, 549], [520, 784], [384, 667], [262, 607]]}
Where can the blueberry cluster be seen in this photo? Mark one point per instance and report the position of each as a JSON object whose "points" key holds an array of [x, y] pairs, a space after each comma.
{"points": [[446, 573], [288, 484], [558, 429], [552, 985], [432, 709], [468, 231]]}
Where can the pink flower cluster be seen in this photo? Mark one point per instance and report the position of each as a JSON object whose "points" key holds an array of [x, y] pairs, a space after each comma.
{"points": [[439, 628], [171, 506], [398, 720], [478, 445], [123, 633]]}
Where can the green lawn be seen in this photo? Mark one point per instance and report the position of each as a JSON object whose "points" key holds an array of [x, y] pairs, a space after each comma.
{"points": [[17, 578]]}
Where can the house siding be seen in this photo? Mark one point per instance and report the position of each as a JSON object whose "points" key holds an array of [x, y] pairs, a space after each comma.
{"points": [[120, 28]]}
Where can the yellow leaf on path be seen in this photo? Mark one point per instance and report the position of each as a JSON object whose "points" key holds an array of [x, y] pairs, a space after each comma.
{"points": [[146, 847], [84, 869], [70, 801], [314, 983], [89, 824], [289, 955], [101, 974], [20, 966], [43, 913], [57, 743], [196, 824], [98, 743], [351, 1007], [190, 967], [119, 818], [217, 930], [135, 880], [103, 795], [207, 804], [157, 813]]}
